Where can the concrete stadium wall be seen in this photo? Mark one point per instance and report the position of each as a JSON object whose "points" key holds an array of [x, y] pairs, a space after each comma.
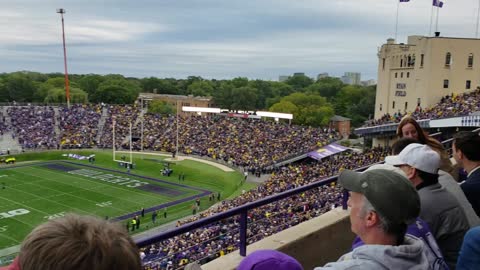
{"points": [[313, 243]]}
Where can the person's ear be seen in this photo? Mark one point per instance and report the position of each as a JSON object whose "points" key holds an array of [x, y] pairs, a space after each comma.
{"points": [[410, 172], [372, 219]]}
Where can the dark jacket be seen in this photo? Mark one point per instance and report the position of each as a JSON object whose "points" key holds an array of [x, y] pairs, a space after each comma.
{"points": [[471, 188], [446, 219]]}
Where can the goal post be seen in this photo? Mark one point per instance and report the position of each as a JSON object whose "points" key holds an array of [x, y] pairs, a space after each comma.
{"points": [[114, 150]]}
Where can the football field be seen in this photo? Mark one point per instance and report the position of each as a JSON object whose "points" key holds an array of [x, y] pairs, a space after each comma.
{"points": [[34, 193]]}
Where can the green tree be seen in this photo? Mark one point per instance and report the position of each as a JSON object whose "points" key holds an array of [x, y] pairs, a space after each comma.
{"points": [[299, 82], [327, 87], [114, 94], [4, 95], [244, 98], [307, 109], [200, 88], [20, 88], [223, 96], [89, 83], [284, 107], [161, 107], [115, 89], [281, 89], [58, 95], [239, 82]]}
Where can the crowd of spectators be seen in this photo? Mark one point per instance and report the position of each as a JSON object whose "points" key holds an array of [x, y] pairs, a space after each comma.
{"points": [[218, 239], [34, 126], [79, 125], [449, 106], [123, 115], [247, 143]]}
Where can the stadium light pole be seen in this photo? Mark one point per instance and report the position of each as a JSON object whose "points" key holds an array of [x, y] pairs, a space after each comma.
{"points": [[176, 152], [62, 11]]}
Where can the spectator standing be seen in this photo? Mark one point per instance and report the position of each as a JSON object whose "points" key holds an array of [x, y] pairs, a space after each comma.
{"points": [[447, 181], [154, 216], [466, 151], [469, 258], [376, 218], [409, 128], [439, 208]]}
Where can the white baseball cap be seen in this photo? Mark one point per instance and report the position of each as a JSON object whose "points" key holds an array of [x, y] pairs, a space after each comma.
{"points": [[417, 155]]}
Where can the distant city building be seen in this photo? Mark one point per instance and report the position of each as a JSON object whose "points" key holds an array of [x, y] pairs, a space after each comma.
{"points": [[283, 78], [178, 101], [368, 83], [322, 75], [299, 74], [423, 71], [352, 78]]}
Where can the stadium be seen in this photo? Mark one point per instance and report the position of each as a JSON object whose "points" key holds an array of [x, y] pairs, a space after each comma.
{"points": [[203, 173]]}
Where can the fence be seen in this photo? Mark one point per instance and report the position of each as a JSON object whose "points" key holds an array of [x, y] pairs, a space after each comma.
{"points": [[242, 212]]}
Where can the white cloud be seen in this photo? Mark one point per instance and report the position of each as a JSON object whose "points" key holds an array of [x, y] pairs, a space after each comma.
{"points": [[22, 29]]}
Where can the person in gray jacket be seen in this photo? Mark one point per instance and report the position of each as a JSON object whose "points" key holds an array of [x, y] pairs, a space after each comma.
{"points": [[382, 204], [447, 181], [439, 208]]}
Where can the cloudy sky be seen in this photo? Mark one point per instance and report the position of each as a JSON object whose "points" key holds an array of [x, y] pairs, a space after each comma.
{"points": [[215, 38]]}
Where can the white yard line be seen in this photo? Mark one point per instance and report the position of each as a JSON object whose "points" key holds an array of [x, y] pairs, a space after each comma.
{"points": [[63, 193], [82, 178]]}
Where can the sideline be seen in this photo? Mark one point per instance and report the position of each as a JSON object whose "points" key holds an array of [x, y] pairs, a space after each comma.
{"points": [[10, 250], [180, 158]]}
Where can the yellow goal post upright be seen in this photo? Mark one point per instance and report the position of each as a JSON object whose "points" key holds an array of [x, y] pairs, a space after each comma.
{"points": [[114, 150]]}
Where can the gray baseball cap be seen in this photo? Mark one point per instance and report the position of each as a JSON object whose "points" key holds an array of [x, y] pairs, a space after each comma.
{"points": [[390, 193]]}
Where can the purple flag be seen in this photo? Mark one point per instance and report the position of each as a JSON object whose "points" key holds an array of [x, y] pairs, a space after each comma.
{"points": [[326, 151], [402, 1], [437, 3]]}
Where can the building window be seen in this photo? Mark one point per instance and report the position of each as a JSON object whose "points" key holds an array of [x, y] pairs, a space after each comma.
{"points": [[448, 59], [468, 84], [470, 60], [401, 74], [401, 62], [393, 105], [400, 93], [396, 74], [380, 107], [408, 74], [445, 83], [422, 57], [383, 63], [406, 105]]}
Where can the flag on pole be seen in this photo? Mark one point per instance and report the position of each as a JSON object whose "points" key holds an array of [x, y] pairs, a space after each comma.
{"points": [[402, 1], [437, 3]]}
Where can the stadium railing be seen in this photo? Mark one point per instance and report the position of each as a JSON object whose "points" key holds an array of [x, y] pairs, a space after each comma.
{"points": [[242, 211]]}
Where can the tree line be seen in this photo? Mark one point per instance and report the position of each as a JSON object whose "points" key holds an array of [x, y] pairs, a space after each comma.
{"points": [[311, 102]]}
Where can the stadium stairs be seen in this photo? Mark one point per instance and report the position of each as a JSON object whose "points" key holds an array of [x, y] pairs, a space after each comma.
{"points": [[101, 123], [6, 141], [56, 123]]}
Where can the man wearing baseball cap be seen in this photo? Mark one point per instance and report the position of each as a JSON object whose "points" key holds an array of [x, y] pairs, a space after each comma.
{"points": [[382, 205], [439, 208]]}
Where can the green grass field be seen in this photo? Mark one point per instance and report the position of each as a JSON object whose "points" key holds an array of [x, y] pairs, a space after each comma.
{"points": [[50, 186]]}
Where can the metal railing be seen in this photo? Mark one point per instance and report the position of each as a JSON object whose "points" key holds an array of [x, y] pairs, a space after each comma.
{"points": [[242, 211]]}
